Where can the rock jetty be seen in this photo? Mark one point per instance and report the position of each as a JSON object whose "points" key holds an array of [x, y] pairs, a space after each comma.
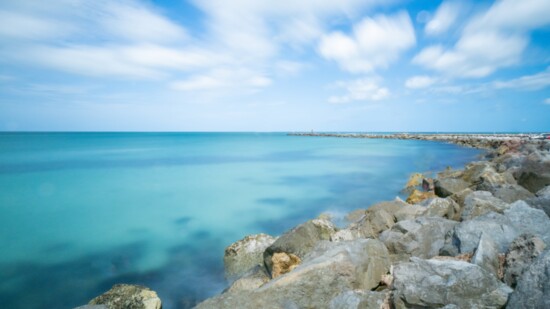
{"points": [[478, 237]]}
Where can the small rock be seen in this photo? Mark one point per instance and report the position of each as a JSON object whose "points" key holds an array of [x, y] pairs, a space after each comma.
{"points": [[449, 186], [283, 263], [511, 193], [418, 196], [521, 254], [481, 202], [126, 296], [441, 207], [245, 254]]}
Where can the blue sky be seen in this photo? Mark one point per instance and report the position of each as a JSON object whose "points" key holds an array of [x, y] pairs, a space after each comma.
{"points": [[249, 65]]}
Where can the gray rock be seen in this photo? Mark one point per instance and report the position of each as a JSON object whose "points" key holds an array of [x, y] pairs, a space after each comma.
{"points": [[511, 193], [441, 207], [481, 202], [378, 218], [358, 299], [300, 240], [486, 255], [544, 192], [326, 271], [125, 296], [436, 283], [540, 202], [255, 278], [410, 212], [533, 288], [243, 255], [92, 307], [449, 186], [521, 254], [475, 172], [422, 237], [519, 218], [534, 173]]}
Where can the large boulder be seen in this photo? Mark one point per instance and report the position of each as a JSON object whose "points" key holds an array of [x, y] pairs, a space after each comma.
{"points": [[481, 202], [126, 296], [510, 193], [418, 196], [300, 240], [448, 186], [534, 173], [422, 237], [541, 201], [521, 254], [410, 212], [325, 272], [252, 280], [533, 287], [243, 255], [503, 228], [378, 218], [441, 207], [437, 283]]}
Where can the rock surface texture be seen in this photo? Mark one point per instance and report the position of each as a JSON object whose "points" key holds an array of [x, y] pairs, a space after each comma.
{"points": [[125, 296]]}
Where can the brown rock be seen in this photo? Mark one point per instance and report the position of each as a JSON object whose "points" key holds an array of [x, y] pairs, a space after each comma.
{"points": [[414, 181], [283, 263], [126, 296], [418, 196]]}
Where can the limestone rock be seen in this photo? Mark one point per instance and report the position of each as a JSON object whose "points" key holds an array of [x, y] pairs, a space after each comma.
{"points": [[521, 254], [328, 269], [358, 299], [422, 237], [434, 284], [300, 240], [283, 263], [245, 254], [511, 193], [529, 220], [418, 196], [486, 255], [449, 186], [533, 287], [125, 296], [481, 202]]}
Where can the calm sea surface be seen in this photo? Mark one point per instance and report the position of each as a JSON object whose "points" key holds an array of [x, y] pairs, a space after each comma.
{"points": [[80, 212]]}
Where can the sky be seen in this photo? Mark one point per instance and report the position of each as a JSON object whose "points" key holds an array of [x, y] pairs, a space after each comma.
{"points": [[251, 65]]}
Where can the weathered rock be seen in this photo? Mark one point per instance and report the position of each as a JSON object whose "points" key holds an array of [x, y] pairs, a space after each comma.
{"points": [[460, 196], [346, 234], [521, 254], [533, 287], [358, 299], [422, 237], [415, 180], [410, 212], [355, 215], [434, 284], [300, 240], [486, 255], [328, 270], [428, 184], [283, 263], [519, 218], [252, 280], [510, 193], [449, 186], [243, 255], [491, 180], [476, 171], [534, 173], [125, 296], [544, 191], [441, 207], [378, 218], [418, 196], [481, 202]]}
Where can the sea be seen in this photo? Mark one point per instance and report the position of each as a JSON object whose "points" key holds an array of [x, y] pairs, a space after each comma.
{"points": [[80, 212]]}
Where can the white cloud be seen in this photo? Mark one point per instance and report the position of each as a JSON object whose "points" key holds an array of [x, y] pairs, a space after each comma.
{"points": [[375, 42], [14, 25], [222, 78], [360, 90], [528, 82], [417, 82], [491, 40], [444, 18], [547, 101]]}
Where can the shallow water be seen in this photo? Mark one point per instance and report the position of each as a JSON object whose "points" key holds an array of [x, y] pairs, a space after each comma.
{"points": [[82, 211]]}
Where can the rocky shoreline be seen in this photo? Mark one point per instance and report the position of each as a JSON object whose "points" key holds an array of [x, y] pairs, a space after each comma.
{"points": [[472, 238]]}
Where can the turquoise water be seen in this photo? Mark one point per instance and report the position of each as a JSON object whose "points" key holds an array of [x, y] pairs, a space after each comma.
{"points": [[83, 211]]}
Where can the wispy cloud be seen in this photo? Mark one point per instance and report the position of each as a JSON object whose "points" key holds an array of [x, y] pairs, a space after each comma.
{"points": [[417, 82], [365, 89], [445, 17], [491, 40], [375, 42]]}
